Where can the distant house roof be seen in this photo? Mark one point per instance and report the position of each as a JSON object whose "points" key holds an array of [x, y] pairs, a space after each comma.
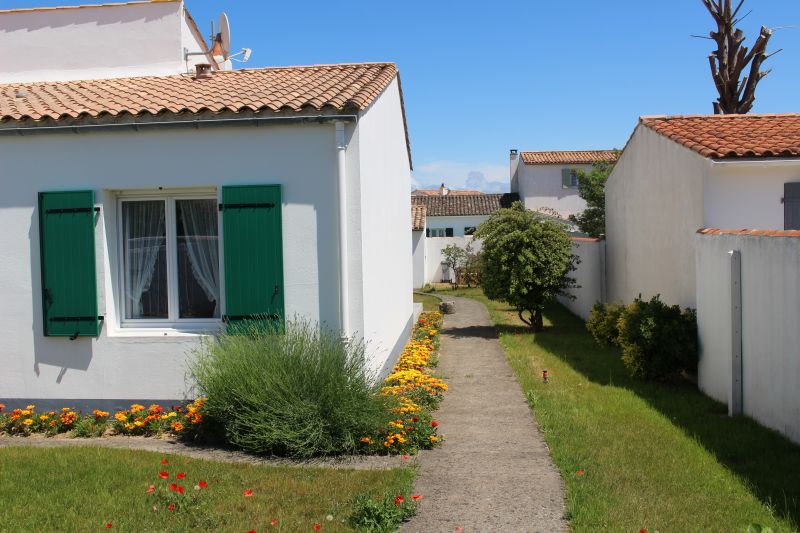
{"points": [[464, 205], [443, 190], [732, 136], [417, 217], [750, 232], [338, 88], [569, 157]]}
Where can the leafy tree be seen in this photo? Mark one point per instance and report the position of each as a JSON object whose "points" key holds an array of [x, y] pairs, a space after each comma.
{"points": [[472, 266], [592, 188], [454, 258], [525, 261]]}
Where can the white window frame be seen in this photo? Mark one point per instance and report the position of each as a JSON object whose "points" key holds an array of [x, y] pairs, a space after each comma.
{"points": [[173, 323]]}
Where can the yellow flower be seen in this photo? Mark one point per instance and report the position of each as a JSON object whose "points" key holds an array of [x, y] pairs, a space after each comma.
{"points": [[43, 417], [30, 407], [27, 422], [122, 416], [135, 408], [128, 426], [434, 438], [25, 412]]}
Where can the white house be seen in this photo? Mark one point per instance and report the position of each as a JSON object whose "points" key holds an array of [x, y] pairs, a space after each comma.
{"points": [[681, 173], [141, 213], [548, 182], [142, 38], [443, 220]]}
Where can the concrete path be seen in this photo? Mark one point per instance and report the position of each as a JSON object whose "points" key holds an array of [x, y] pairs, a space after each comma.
{"points": [[494, 472]]}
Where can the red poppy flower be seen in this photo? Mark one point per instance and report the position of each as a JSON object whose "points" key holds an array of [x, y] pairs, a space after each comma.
{"points": [[173, 487], [252, 531], [180, 475], [434, 423], [163, 475], [171, 507], [109, 526], [406, 458], [163, 461], [415, 418], [150, 489], [274, 522], [202, 484], [580, 471], [416, 497], [398, 500], [248, 493], [316, 527], [180, 489], [459, 528], [642, 531]]}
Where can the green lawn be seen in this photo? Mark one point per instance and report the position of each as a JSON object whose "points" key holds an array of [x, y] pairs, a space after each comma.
{"points": [[83, 489], [429, 303], [655, 456]]}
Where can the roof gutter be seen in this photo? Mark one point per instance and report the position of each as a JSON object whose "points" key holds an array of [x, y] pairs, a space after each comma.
{"points": [[756, 162], [193, 123]]}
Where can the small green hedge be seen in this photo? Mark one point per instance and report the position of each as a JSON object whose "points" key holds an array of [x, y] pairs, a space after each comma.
{"points": [[657, 340], [300, 393]]}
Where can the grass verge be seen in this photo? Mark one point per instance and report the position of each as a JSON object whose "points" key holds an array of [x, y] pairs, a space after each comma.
{"points": [[85, 488], [654, 456], [429, 303]]}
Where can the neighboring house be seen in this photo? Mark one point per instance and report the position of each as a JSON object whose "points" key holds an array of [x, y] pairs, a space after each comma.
{"points": [[418, 244], [101, 41], [446, 220], [681, 173], [141, 213], [548, 182], [443, 190]]}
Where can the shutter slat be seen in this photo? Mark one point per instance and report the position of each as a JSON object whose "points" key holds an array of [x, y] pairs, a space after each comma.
{"points": [[69, 270], [253, 249]]}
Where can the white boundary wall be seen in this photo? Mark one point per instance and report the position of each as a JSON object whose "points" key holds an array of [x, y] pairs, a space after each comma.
{"points": [[433, 254], [590, 276], [770, 284]]}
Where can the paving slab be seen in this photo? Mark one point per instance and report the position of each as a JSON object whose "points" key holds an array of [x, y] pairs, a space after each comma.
{"points": [[494, 471]]}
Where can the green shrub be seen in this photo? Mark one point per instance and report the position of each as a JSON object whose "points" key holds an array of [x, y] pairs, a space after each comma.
{"points": [[384, 515], [300, 393], [603, 323], [658, 340]]}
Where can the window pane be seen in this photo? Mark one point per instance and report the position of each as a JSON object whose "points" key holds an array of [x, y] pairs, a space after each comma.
{"points": [[198, 258], [145, 259]]}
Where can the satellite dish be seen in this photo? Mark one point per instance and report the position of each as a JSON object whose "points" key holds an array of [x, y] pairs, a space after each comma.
{"points": [[224, 35]]}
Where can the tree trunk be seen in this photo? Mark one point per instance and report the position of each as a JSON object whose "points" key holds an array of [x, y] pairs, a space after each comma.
{"points": [[538, 321]]}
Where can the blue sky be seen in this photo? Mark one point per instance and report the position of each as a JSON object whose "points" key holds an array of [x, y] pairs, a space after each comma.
{"points": [[482, 77]]}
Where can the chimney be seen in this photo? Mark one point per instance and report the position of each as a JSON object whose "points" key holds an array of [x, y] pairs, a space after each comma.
{"points": [[443, 190], [513, 154], [202, 71]]}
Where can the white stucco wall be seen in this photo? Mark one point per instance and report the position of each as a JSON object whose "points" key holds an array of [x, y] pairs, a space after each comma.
{"points": [[748, 194], [94, 42], [120, 364], [589, 276], [770, 269], [433, 254], [385, 177], [654, 206], [418, 257], [540, 186], [457, 223]]}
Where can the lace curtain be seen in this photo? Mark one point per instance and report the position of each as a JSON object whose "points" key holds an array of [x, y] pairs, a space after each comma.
{"points": [[145, 236], [201, 236]]}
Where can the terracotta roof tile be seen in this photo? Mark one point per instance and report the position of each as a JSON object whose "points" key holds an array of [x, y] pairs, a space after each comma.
{"points": [[417, 217], [731, 136], [464, 205], [317, 87], [571, 157], [754, 232]]}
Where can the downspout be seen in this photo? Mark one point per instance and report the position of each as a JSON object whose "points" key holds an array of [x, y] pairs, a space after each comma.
{"points": [[344, 285]]}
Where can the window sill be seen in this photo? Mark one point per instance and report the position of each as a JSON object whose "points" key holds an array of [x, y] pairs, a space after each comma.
{"points": [[187, 331]]}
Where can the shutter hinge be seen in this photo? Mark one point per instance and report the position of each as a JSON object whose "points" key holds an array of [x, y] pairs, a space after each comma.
{"points": [[72, 210], [266, 205]]}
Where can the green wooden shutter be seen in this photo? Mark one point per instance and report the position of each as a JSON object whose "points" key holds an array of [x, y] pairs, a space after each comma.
{"points": [[566, 178], [253, 249], [69, 273]]}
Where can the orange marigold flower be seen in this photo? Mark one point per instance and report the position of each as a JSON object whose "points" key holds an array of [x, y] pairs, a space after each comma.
{"points": [[177, 427]]}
